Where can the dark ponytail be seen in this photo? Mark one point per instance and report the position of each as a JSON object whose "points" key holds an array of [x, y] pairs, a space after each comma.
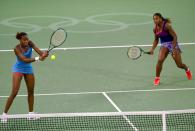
{"points": [[20, 34], [164, 19]]}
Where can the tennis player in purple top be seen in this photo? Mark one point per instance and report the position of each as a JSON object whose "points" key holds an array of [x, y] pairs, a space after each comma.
{"points": [[168, 39]]}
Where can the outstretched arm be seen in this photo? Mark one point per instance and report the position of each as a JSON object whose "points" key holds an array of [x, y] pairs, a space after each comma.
{"points": [[22, 57], [42, 54], [154, 45]]}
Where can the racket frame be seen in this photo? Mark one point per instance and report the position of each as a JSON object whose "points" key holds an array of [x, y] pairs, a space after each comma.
{"points": [[141, 50], [54, 46]]}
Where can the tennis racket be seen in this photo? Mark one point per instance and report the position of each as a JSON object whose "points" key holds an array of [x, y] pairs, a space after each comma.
{"points": [[58, 37], [135, 52]]}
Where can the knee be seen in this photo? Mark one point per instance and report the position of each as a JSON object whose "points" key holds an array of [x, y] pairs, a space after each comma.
{"points": [[160, 62], [31, 92]]}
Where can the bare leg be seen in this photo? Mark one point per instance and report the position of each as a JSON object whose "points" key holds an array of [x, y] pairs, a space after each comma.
{"points": [[178, 61], [30, 82], [15, 88], [163, 53]]}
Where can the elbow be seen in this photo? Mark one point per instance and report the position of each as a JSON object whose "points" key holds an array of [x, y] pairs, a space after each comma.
{"points": [[26, 61]]}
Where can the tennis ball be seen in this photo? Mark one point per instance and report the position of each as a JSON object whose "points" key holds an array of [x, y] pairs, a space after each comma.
{"points": [[53, 57]]}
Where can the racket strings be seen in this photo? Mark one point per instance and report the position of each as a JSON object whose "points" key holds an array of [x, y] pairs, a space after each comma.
{"points": [[134, 53], [58, 37]]}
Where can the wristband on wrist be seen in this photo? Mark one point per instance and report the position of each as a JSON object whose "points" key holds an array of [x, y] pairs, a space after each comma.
{"points": [[36, 58]]}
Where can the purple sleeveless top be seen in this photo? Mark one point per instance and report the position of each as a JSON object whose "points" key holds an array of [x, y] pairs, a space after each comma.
{"points": [[164, 35]]}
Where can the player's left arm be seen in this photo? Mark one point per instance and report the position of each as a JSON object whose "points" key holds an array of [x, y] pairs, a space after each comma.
{"points": [[41, 53], [173, 34]]}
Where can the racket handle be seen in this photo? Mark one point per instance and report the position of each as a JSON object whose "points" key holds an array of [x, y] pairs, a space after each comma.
{"points": [[147, 52], [49, 50]]}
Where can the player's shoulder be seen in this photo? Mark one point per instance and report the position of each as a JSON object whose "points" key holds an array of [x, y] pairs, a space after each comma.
{"points": [[31, 44], [168, 25], [154, 29], [17, 47]]}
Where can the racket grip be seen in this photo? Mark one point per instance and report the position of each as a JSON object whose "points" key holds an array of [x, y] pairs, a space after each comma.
{"points": [[147, 52], [49, 50]]}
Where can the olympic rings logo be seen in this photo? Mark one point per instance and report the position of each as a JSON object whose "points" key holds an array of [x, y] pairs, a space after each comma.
{"points": [[69, 22]]}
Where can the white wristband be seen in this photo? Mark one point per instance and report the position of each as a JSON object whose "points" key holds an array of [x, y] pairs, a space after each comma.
{"points": [[36, 58]]}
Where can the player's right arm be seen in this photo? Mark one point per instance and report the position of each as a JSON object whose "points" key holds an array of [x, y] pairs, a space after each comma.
{"points": [[41, 53], [19, 54], [155, 43]]}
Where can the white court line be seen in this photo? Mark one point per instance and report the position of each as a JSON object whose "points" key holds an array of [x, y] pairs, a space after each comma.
{"points": [[102, 47], [108, 92], [112, 102], [119, 110]]}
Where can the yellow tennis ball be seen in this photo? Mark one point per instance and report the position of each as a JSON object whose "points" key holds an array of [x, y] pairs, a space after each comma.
{"points": [[53, 57]]}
